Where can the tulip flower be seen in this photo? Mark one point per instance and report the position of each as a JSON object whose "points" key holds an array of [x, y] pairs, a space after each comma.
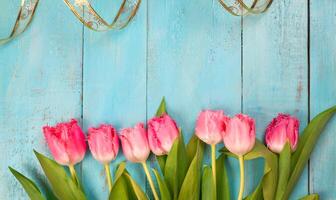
{"points": [[66, 142], [281, 137], [284, 128], [162, 132], [239, 139], [104, 145], [210, 127], [134, 143]]}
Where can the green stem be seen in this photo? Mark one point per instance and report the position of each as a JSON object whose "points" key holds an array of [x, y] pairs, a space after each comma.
{"points": [[284, 171], [151, 183], [108, 176], [213, 161], [73, 174], [241, 167]]}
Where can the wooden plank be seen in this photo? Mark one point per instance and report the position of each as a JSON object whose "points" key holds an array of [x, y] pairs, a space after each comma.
{"points": [[275, 71], [193, 60], [8, 17], [114, 89], [323, 95], [40, 83]]}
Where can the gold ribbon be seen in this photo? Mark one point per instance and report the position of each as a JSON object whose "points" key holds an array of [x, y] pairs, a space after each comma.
{"points": [[239, 8], [25, 16], [91, 19]]}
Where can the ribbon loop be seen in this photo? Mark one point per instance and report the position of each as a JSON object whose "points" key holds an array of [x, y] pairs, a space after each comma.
{"points": [[240, 8], [24, 17], [83, 10]]}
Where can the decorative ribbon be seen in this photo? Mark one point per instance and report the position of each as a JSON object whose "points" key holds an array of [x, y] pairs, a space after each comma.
{"points": [[25, 16], [91, 19], [239, 8]]}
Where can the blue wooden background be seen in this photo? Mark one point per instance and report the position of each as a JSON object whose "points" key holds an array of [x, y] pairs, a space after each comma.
{"points": [[192, 52]]}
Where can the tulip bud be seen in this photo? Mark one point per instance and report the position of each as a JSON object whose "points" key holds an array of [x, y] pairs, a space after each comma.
{"points": [[134, 143], [284, 128], [66, 142], [210, 126], [103, 142], [239, 137], [162, 132]]}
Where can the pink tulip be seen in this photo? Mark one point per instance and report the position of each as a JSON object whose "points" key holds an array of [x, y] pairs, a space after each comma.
{"points": [[134, 143], [210, 126], [240, 134], [66, 142], [283, 128], [104, 143], [162, 132]]}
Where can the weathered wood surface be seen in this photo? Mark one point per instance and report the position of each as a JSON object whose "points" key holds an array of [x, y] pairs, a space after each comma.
{"points": [[40, 83], [192, 52]]}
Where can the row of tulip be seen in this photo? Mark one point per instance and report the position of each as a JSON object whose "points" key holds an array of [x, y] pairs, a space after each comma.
{"points": [[68, 145]]}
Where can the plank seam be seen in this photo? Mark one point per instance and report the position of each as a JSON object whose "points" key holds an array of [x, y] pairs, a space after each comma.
{"points": [[308, 87], [242, 63], [147, 188]]}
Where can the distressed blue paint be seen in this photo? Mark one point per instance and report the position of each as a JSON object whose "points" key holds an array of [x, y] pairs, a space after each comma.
{"points": [[40, 84], [193, 60], [323, 95], [188, 51], [114, 90], [275, 70]]}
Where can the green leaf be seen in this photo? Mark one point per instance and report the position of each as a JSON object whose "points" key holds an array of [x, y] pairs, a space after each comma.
{"points": [[120, 171], [63, 186], [162, 108], [208, 186], [28, 185], [120, 189], [138, 193], [257, 194], [192, 182], [270, 178], [176, 166], [284, 170], [162, 162], [164, 191], [306, 145], [223, 185], [311, 197], [125, 187], [192, 148]]}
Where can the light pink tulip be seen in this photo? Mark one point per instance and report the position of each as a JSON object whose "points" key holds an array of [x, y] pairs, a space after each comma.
{"points": [[210, 126], [162, 132], [104, 143], [239, 137], [66, 142], [283, 128], [134, 143]]}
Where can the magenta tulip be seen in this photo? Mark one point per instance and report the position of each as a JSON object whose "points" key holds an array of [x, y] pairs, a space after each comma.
{"points": [[210, 126], [284, 128], [104, 143], [162, 132], [66, 142], [134, 143], [239, 137]]}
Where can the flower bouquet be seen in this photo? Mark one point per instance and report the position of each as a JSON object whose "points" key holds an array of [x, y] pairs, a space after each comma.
{"points": [[180, 173]]}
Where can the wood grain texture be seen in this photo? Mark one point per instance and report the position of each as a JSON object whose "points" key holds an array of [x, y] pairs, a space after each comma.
{"points": [[275, 71], [40, 83], [323, 95], [114, 90], [193, 60], [192, 52]]}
